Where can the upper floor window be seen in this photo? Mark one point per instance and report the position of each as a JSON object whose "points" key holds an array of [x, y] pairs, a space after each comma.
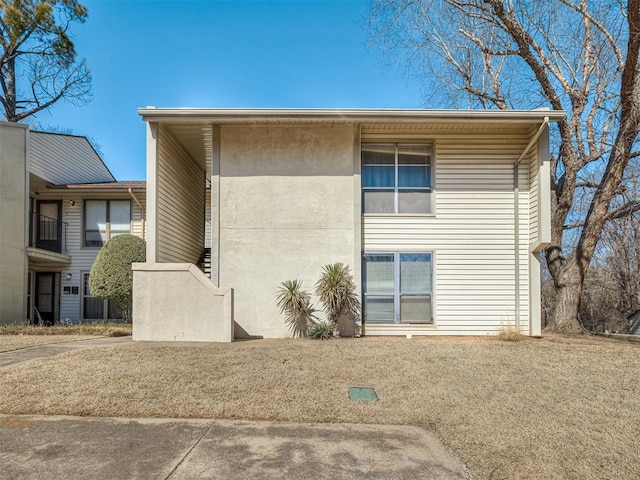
{"points": [[396, 178], [105, 219]]}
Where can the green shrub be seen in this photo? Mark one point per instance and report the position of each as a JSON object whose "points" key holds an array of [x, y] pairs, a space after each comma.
{"points": [[337, 292], [322, 330], [111, 276], [295, 304]]}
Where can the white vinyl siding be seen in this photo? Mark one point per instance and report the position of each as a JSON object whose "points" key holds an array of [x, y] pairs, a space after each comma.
{"points": [[62, 159], [472, 232], [180, 214], [534, 173], [207, 219], [82, 258]]}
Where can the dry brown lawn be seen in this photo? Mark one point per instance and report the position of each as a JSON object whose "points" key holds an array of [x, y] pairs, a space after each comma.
{"points": [[16, 337], [560, 408], [17, 342]]}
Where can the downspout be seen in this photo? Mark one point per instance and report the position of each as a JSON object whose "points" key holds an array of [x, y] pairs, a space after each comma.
{"points": [[141, 208], [516, 211]]}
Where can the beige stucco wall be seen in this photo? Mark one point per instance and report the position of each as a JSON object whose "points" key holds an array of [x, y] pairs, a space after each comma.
{"points": [[287, 208], [203, 313], [13, 205]]}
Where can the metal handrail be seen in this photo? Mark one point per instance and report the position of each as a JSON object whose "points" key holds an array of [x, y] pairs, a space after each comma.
{"points": [[47, 233]]}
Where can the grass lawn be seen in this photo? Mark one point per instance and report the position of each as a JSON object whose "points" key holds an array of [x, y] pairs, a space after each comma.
{"points": [[15, 337], [551, 408], [18, 342]]}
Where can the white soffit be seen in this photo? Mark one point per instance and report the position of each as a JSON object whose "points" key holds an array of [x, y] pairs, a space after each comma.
{"points": [[192, 127]]}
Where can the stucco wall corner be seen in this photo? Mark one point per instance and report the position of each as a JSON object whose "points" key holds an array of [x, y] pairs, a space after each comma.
{"points": [[173, 302]]}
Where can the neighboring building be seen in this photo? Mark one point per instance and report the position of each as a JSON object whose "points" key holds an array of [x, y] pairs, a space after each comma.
{"points": [[634, 323], [59, 203], [441, 215]]}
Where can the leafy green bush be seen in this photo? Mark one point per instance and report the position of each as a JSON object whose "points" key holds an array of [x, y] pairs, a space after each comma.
{"points": [[322, 330], [295, 304], [111, 276]]}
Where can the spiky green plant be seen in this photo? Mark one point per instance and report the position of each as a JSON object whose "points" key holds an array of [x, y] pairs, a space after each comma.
{"points": [[295, 305], [337, 292], [322, 330]]}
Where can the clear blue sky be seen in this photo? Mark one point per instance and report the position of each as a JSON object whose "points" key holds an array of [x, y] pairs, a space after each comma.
{"points": [[277, 54]]}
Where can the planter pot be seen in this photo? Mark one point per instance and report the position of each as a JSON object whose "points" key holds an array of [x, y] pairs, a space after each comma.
{"points": [[346, 326]]}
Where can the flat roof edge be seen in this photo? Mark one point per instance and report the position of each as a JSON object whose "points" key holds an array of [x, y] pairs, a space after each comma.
{"points": [[372, 115]]}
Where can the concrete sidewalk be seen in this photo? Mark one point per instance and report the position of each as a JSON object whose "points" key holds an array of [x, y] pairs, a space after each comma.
{"points": [[54, 447], [50, 349]]}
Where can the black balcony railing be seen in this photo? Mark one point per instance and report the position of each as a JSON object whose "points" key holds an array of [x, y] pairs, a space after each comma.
{"points": [[47, 233]]}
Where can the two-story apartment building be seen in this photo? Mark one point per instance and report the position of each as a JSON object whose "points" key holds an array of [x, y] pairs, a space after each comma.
{"points": [[441, 214], [58, 204]]}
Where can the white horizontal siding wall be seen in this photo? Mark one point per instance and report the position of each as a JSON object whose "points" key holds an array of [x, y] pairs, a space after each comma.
{"points": [[82, 258], [207, 219], [62, 159], [534, 179], [472, 234], [180, 215]]}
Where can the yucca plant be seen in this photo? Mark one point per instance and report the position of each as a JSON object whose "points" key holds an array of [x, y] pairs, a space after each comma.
{"points": [[322, 330], [337, 292], [295, 305]]}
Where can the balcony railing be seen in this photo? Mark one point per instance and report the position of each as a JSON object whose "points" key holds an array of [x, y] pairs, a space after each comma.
{"points": [[47, 233]]}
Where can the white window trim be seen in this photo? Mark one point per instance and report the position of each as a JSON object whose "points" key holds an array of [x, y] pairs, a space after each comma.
{"points": [[107, 220], [396, 280], [105, 307], [364, 139]]}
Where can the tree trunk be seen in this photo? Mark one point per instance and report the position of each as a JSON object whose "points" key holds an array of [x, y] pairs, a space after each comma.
{"points": [[565, 318], [568, 277]]}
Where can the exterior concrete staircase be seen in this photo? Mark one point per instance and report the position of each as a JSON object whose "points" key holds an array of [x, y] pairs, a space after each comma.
{"points": [[205, 262]]}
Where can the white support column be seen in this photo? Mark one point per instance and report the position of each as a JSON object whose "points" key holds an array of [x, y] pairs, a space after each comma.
{"points": [[535, 296], [544, 193], [152, 191], [357, 212]]}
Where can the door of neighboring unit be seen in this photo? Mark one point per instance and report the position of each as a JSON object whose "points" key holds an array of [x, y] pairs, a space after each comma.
{"points": [[45, 304], [48, 225]]}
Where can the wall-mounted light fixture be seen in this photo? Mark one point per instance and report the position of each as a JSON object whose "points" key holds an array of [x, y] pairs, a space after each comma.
{"points": [[72, 203], [68, 276]]}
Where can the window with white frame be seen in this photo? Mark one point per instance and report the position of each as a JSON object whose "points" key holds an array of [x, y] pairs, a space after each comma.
{"points": [[105, 219], [94, 308], [397, 178], [397, 287]]}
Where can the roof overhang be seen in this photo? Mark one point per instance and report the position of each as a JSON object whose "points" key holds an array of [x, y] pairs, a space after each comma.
{"points": [[122, 186], [193, 127], [220, 116]]}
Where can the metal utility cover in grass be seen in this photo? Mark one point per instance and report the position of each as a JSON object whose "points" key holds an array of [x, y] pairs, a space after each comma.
{"points": [[362, 394]]}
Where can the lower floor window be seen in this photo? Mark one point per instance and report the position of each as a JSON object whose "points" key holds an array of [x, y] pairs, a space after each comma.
{"points": [[397, 287], [95, 309]]}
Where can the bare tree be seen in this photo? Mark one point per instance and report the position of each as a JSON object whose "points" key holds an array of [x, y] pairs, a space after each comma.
{"points": [[619, 251], [575, 55], [38, 64]]}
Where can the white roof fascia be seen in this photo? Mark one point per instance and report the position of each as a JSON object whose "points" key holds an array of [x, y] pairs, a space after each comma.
{"points": [[230, 115]]}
